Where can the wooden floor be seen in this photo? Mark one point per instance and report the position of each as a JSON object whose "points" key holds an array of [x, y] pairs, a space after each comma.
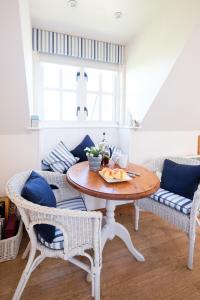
{"points": [[162, 276]]}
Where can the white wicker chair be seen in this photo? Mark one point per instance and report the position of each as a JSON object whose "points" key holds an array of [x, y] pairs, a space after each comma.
{"points": [[81, 230], [185, 222]]}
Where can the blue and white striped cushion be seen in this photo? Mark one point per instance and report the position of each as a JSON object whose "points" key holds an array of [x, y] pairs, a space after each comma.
{"points": [[60, 159], [58, 241], [76, 203], [175, 201]]}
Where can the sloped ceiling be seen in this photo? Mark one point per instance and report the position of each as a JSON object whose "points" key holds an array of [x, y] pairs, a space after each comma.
{"points": [[177, 105], [14, 105], [94, 18], [158, 85]]}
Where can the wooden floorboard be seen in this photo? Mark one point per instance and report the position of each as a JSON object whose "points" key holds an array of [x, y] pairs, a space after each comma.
{"points": [[163, 275]]}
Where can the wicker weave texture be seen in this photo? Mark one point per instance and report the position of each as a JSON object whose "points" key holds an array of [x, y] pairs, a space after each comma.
{"points": [[9, 247], [187, 223], [81, 229]]}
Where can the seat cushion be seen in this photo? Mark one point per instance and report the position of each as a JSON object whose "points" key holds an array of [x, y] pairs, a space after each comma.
{"points": [[180, 179], [37, 190], [172, 200], [60, 159], [79, 150], [57, 243], [76, 203]]}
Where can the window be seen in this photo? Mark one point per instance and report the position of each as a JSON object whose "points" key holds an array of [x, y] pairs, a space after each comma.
{"points": [[101, 95], [71, 94], [59, 92]]}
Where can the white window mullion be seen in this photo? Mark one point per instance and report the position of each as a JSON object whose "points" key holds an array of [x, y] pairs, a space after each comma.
{"points": [[122, 105], [77, 92], [61, 92], [116, 101], [41, 91], [79, 96], [100, 97], [35, 108], [83, 100]]}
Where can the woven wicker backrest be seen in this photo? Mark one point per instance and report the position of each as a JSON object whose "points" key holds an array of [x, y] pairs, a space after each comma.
{"points": [[157, 164], [79, 227]]}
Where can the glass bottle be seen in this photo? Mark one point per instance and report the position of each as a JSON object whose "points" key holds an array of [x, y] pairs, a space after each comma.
{"points": [[106, 150]]}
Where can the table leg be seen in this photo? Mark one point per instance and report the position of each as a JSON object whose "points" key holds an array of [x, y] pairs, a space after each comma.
{"points": [[123, 234], [112, 229]]}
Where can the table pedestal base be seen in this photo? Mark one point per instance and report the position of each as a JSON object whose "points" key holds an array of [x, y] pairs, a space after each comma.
{"points": [[112, 229]]}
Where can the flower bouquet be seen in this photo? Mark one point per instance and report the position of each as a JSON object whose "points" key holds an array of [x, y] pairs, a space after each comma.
{"points": [[94, 155]]}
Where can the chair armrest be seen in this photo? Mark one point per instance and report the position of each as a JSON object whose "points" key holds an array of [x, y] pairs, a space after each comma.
{"points": [[81, 229], [155, 165], [65, 191], [194, 211], [196, 203]]}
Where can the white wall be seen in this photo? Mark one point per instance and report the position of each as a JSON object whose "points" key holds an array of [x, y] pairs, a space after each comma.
{"points": [[73, 136], [19, 148], [17, 153], [147, 145], [26, 31], [14, 108], [177, 105], [151, 56]]}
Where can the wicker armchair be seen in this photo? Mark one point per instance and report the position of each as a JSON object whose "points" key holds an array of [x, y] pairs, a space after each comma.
{"points": [[185, 222], [81, 230]]}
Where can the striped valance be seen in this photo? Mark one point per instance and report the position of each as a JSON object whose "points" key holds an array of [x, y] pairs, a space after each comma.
{"points": [[72, 46]]}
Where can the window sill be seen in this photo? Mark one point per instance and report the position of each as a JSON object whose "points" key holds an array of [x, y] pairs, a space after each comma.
{"points": [[33, 128], [72, 127], [130, 127]]}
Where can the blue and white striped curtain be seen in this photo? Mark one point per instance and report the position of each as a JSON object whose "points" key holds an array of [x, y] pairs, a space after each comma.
{"points": [[72, 46]]}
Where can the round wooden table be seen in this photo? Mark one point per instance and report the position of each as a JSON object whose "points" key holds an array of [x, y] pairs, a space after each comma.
{"points": [[91, 183]]}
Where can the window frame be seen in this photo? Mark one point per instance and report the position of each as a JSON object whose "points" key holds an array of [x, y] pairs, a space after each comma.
{"points": [[82, 64], [60, 90]]}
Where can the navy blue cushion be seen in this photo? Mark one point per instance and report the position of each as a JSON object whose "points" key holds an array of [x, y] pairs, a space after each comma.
{"points": [[38, 191], [180, 179], [76, 203], [79, 150]]}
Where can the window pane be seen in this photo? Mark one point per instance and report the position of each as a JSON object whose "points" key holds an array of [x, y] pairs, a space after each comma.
{"points": [[51, 75], [69, 77], [93, 79], [93, 107], [51, 106], [108, 81], [107, 108], [69, 106]]}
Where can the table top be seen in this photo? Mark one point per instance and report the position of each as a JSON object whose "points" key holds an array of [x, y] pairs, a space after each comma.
{"points": [[91, 183]]}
